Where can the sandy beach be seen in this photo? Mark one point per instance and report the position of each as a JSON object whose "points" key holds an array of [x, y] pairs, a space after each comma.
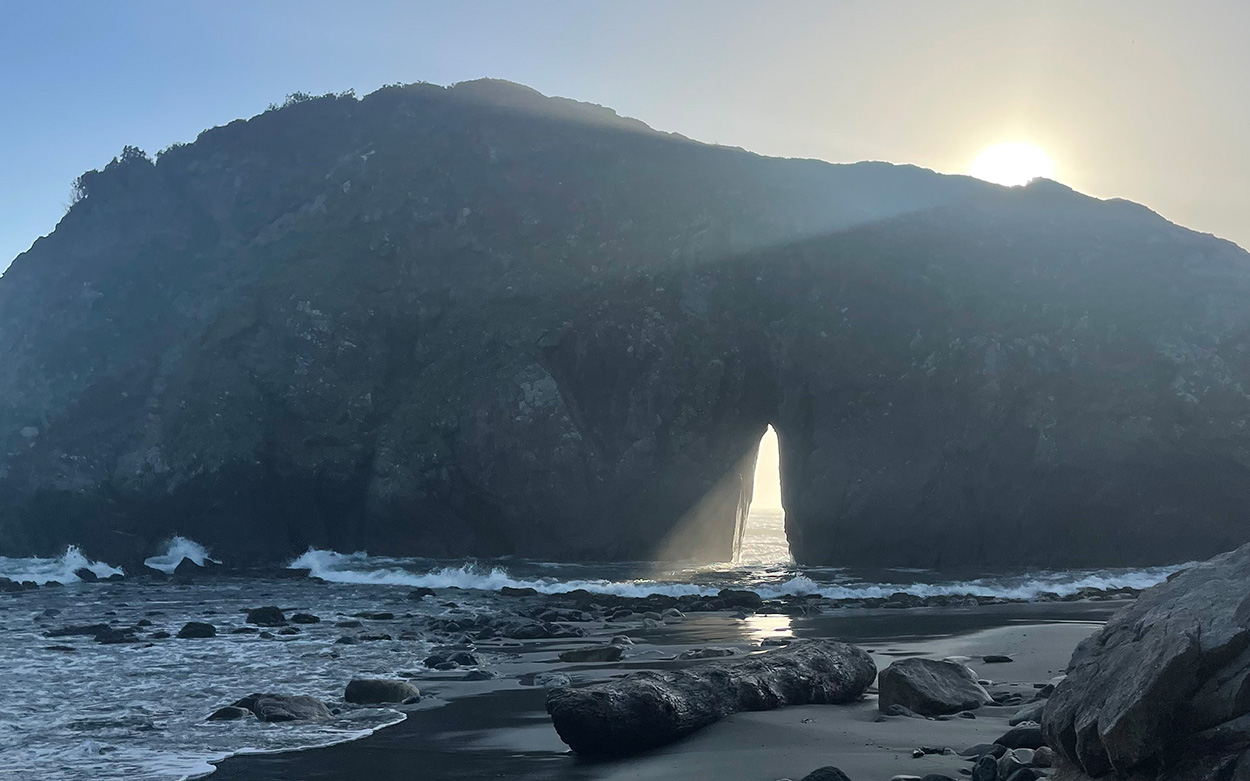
{"points": [[498, 728]]}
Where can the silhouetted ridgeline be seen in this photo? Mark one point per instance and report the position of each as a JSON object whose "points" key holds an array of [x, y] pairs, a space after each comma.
{"points": [[476, 320]]}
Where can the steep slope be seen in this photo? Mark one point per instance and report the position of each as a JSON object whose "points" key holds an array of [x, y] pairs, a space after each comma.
{"points": [[476, 320]]}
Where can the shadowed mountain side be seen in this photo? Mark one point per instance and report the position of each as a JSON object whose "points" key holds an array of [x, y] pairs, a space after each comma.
{"points": [[477, 321]]}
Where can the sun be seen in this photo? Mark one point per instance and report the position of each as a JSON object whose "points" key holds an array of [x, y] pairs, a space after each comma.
{"points": [[1012, 164]]}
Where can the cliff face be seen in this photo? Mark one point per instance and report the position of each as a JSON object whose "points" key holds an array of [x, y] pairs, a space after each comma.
{"points": [[480, 321]]}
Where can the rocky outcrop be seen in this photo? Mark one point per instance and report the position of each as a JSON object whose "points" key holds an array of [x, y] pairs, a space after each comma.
{"points": [[1162, 691], [930, 687], [478, 321], [649, 709]]}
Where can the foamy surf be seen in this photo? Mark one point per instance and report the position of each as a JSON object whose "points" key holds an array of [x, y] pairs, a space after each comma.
{"points": [[176, 550], [768, 582], [60, 569]]}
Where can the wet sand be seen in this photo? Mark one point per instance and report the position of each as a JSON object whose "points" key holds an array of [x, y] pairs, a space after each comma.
{"points": [[499, 729]]}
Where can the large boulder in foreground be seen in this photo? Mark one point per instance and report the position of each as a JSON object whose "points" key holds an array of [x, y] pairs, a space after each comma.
{"points": [[1164, 689], [649, 709], [930, 687]]}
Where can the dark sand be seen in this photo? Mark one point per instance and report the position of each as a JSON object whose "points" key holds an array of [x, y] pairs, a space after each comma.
{"points": [[499, 729]]}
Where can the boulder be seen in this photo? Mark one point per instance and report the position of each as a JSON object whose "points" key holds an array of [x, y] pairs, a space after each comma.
{"points": [[1166, 683], [930, 687], [86, 575], [985, 768], [305, 618], [266, 616], [372, 691], [826, 773], [740, 598], [284, 707], [1022, 736], [197, 629], [525, 591], [648, 709], [593, 653]]}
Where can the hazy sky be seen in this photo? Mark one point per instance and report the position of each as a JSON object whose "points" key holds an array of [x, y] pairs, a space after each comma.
{"points": [[1143, 99]]}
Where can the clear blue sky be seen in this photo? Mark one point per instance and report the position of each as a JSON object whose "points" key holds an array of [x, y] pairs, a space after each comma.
{"points": [[1144, 99]]}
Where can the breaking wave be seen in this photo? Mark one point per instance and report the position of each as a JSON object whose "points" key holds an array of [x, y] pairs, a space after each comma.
{"points": [[175, 551], [60, 569], [360, 568]]}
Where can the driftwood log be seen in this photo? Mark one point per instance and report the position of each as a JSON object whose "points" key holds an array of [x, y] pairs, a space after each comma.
{"points": [[649, 709]]}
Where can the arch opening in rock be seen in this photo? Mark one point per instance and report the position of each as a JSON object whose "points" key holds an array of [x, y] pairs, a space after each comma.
{"points": [[762, 540]]}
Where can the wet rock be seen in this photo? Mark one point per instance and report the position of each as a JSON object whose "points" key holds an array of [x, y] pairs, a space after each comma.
{"points": [[1024, 774], [305, 618], [648, 709], [420, 593], [373, 691], [1043, 756], [197, 629], [594, 653], [116, 636], [160, 634], [985, 768], [526, 591], [981, 749], [349, 623], [930, 687], [1022, 736], [266, 616], [740, 598], [85, 575], [465, 658], [1013, 760], [230, 713], [288, 630], [381, 616], [244, 630], [373, 638], [284, 707], [346, 640], [996, 659], [827, 773], [705, 653]]}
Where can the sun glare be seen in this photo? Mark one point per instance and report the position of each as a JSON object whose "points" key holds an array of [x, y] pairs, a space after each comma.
{"points": [[1012, 164]]}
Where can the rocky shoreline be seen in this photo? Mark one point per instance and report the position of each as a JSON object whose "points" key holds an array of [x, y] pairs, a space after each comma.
{"points": [[408, 651]]}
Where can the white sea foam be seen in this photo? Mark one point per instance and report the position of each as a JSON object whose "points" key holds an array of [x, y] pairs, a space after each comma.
{"points": [[60, 569], [364, 569], [176, 550]]}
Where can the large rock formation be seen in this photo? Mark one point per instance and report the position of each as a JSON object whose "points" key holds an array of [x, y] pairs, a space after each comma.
{"points": [[649, 709], [1163, 691], [479, 321]]}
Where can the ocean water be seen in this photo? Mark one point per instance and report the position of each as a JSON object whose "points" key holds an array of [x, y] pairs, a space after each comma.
{"points": [[137, 711]]}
